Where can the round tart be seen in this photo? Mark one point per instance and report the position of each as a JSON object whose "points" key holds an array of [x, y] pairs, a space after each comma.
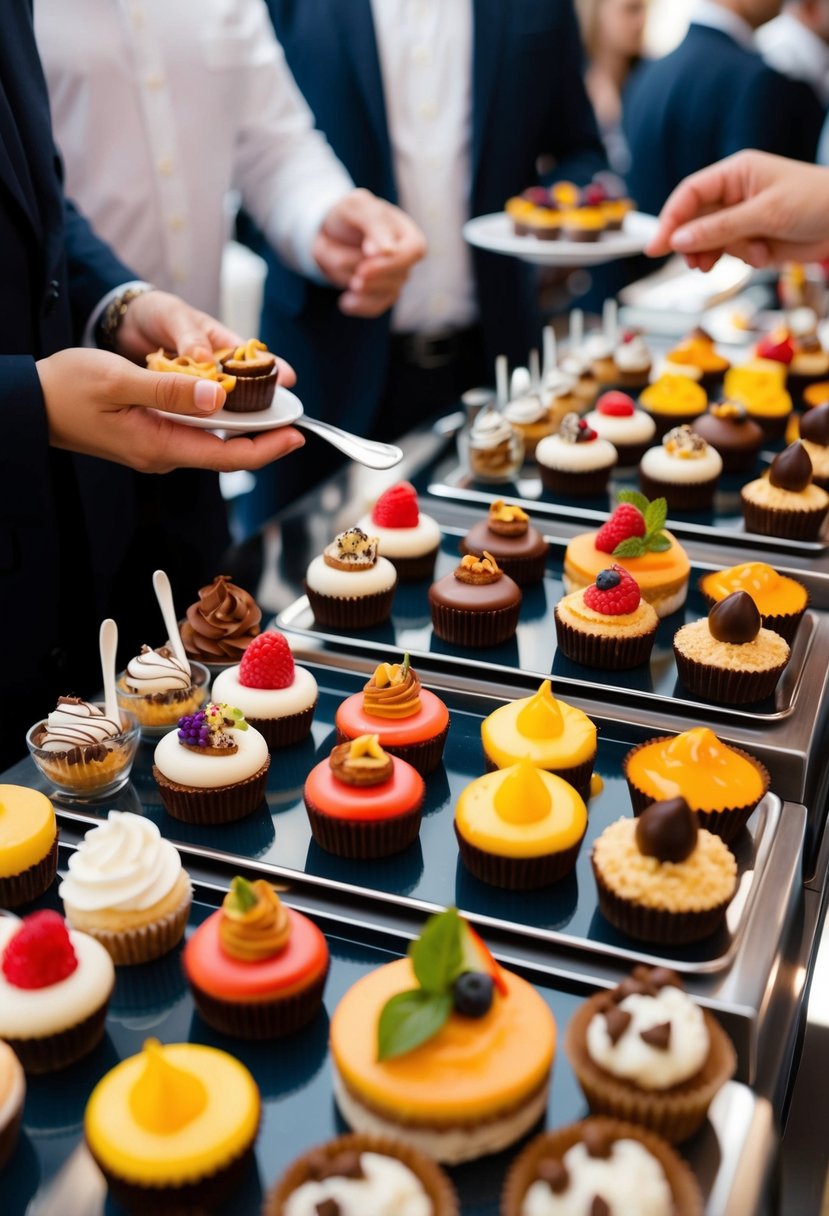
{"points": [[350, 586], [684, 470], [608, 624], [12, 1100], [728, 657], [616, 419], [254, 369], [727, 428], [782, 601], [518, 548], [476, 605], [84, 753], [407, 537], [814, 435], [785, 502], [697, 357], [672, 401], [576, 461], [220, 626], [28, 845], [276, 697]]}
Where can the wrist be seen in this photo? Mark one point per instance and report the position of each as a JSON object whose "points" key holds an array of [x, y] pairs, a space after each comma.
{"points": [[111, 320]]}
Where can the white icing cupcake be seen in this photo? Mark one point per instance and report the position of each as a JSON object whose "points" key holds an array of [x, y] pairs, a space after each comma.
{"points": [[576, 461], [277, 697], [407, 537], [617, 419], [684, 470], [350, 586]]}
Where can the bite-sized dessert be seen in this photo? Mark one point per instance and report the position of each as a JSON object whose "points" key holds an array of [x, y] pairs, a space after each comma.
{"points": [[697, 357], [629, 364], [781, 600], [550, 733], [814, 435], [520, 827], [126, 887], [276, 697], [349, 585], [729, 430], [809, 365], [255, 371], [576, 461], [721, 783], [363, 802], [28, 845], [535, 213], [444, 1049], [222, 623], [55, 987], [256, 968], [519, 549], [560, 396], [409, 721], [616, 419], [83, 752], [760, 387], [607, 190], [816, 394], [777, 346], [662, 878], [526, 411], [185, 365], [673, 400], [785, 502], [172, 1129], [214, 768], [728, 657], [496, 447], [608, 624], [406, 536], [600, 1167], [684, 470], [12, 1100], [583, 224], [578, 365], [158, 688], [476, 605], [634, 537]]}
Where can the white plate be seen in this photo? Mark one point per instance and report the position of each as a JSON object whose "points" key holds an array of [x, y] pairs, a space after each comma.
{"points": [[496, 233], [283, 410]]}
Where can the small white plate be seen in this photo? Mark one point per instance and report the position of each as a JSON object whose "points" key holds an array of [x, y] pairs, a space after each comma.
{"points": [[283, 410], [496, 233]]}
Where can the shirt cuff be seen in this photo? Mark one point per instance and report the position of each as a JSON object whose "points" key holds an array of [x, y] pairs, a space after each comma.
{"points": [[88, 338], [307, 226]]}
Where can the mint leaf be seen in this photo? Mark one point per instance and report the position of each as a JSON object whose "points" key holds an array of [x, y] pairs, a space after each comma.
{"points": [[658, 543], [409, 1019], [656, 514], [437, 956], [635, 499], [634, 546], [242, 894]]}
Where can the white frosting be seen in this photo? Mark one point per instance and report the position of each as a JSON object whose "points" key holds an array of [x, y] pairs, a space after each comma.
{"points": [[557, 384], [389, 1188], [70, 726], [405, 542], [16, 1094], [186, 766], [597, 346], [659, 464], [802, 322], [632, 356], [123, 864], [634, 1059], [489, 430], [523, 410], [31, 1013], [630, 1180], [576, 363], [638, 427], [689, 370], [155, 672], [350, 584], [575, 457], [266, 702]]}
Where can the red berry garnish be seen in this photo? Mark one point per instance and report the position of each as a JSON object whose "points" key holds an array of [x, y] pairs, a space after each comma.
{"points": [[777, 345], [594, 194], [397, 507], [40, 952], [267, 662], [616, 405], [614, 593], [625, 522]]}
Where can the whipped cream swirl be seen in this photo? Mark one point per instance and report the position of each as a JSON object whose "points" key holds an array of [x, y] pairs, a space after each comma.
{"points": [[637, 1059], [75, 723], [489, 430], [629, 1180], [525, 410], [124, 863], [387, 1188], [632, 355], [157, 671]]}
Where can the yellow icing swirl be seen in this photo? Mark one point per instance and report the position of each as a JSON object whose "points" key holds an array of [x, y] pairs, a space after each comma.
{"points": [[259, 932], [392, 692], [521, 811], [165, 1098]]}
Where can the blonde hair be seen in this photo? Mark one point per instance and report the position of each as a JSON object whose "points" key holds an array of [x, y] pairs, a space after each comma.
{"points": [[587, 12]]}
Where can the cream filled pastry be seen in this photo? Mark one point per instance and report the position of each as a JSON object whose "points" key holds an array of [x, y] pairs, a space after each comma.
{"points": [[625, 1178], [660, 1040], [76, 724]]}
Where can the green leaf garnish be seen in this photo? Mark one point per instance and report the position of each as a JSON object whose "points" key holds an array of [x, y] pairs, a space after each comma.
{"points": [[242, 895], [409, 1019], [655, 515], [635, 499], [437, 955], [634, 546], [407, 662], [660, 544]]}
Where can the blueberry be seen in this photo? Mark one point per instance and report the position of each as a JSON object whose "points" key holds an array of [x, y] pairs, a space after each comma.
{"points": [[607, 579], [472, 994]]}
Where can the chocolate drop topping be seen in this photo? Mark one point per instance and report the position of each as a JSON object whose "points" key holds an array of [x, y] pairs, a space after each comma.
{"points": [[657, 1036], [597, 1142], [663, 977], [328, 1207], [791, 469], [617, 1021], [667, 830], [629, 987], [735, 619], [554, 1173], [347, 1164], [599, 1207], [814, 425]]}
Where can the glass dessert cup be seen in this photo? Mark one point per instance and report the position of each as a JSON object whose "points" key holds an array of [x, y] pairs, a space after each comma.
{"points": [[86, 774], [159, 712]]}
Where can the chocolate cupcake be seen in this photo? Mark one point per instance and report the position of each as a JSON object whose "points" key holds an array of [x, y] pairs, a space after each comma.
{"points": [[350, 586], [476, 605], [220, 626], [729, 430], [256, 375], [814, 435], [728, 657], [785, 503], [519, 549]]}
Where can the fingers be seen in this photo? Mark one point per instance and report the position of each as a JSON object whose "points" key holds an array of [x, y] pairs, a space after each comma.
{"points": [[366, 304], [337, 260], [173, 446], [407, 243], [691, 198], [131, 385]]}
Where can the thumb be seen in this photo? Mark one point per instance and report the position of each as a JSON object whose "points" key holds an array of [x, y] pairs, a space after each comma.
{"points": [[168, 391], [722, 228]]}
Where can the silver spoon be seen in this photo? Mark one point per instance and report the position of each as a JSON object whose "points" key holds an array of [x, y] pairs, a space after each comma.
{"points": [[370, 452]]}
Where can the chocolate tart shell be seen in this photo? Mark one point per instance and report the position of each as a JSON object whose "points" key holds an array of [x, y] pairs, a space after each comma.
{"points": [[694, 496], [424, 757], [517, 873], [789, 525], [657, 925], [607, 652], [353, 612], [724, 686], [575, 485], [223, 804], [252, 392], [362, 839], [268, 1019], [49, 1053], [19, 889], [467, 627], [284, 732]]}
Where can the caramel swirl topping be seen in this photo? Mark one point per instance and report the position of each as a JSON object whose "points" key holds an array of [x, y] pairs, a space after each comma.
{"points": [[479, 571], [254, 354], [160, 361], [393, 691], [255, 924], [507, 520], [361, 762]]}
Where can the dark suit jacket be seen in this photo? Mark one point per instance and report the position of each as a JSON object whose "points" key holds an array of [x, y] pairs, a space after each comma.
{"points": [[707, 99]]}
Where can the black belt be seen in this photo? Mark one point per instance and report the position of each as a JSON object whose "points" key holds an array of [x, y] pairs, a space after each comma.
{"points": [[432, 351]]}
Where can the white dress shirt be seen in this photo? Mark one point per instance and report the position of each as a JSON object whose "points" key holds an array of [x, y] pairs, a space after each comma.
{"points": [[159, 108], [793, 49], [425, 52], [706, 12]]}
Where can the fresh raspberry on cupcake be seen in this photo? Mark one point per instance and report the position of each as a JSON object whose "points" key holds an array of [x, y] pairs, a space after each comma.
{"points": [[276, 696], [607, 624]]}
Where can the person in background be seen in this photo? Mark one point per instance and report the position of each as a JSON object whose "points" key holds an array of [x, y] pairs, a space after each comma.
{"points": [[612, 32], [797, 44]]}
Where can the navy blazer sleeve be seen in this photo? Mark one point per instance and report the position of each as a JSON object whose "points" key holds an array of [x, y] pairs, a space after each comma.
{"points": [[777, 115], [92, 267]]}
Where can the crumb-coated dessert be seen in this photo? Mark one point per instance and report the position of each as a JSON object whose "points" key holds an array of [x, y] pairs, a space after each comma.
{"points": [[673, 400], [255, 372], [349, 585], [519, 549], [82, 751], [684, 470], [276, 696], [785, 502], [406, 536], [608, 624], [28, 845], [496, 447], [728, 657], [814, 435], [576, 461], [781, 600], [220, 626], [476, 605], [729, 430], [616, 418]]}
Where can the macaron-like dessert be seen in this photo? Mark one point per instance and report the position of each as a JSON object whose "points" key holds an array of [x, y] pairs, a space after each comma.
{"points": [[83, 752], [673, 400], [629, 364], [363, 802], [698, 358], [616, 418], [407, 537], [576, 461], [722, 784], [158, 688], [256, 968], [277, 697], [760, 387], [814, 435], [608, 624], [781, 600], [12, 1100], [520, 827], [214, 768], [662, 878], [222, 623], [550, 733], [172, 1128], [255, 372], [469, 1073], [785, 502], [684, 470], [476, 605], [727, 428], [496, 448], [519, 549], [410, 721], [28, 845], [728, 657], [349, 585]]}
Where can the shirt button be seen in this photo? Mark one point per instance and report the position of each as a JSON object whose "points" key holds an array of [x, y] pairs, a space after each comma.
{"points": [[421, 54], [429, 110], [166, 167], [175, 223], [155, 81], [51, 297]]}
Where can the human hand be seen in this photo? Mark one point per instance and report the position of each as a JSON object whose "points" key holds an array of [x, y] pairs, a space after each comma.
{"points": [[99, 404], [761, 208], [367, 246]]}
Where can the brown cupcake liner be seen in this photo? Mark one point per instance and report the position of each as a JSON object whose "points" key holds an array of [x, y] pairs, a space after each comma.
{"points": [[363, 840], [657, 925], [797, 383], [415, 569], [735, 461], [483, 628], [667, 422], [578, 775], [575, 485], [517, 873], [823, 482], [284, 732], [9, 1135], [687, 1199], [130, 947], [224, 804], [444, 1201], [772, 428], [271, 1019], [784, 624], [424, 757], [609, 653], [674, 1113], [19, 889], [724, 686], [697, 496], [788, 525], [51, 1052], [353, 612], [251, 393], [188, 1198]]}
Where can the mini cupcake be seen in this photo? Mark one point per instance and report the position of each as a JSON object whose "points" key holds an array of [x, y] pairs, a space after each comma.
{"points": [[814, 435], [628, 367], [697, 357], [663, 879], [526, 411], [722, 784], [809, 365], [646, 1052], [616, 419], [582, 224], [12, 1100], [84, 753], [784, 502], [476, 605], [560, 396], [673, 401], [158, 688], [520, 827], [28, 845], [519, 549], [350, 586], [760, 387], [578, 364], [127, 888], [781, 601], [777, 346], [496, 447], [728, 657], [223, 622], [213, 769], [684, 470], [816, 394], [729, 430], [256, 968], [276, 697], [362, 802], [407, 537], [575, 461], [256, 373], [608, 624]]}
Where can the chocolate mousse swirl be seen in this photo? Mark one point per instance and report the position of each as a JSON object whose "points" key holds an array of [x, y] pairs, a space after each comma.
{"points": [[392, 692], [220, 626], [76, 724]]}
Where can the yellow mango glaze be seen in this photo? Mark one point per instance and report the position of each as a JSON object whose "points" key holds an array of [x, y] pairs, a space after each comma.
{"points": [[759, 387], [773, 593], [695, 765], [521, 811], [27, 828], [471, 1069], [540, 728], [172, 1114], [674, 394], [652, 571]]}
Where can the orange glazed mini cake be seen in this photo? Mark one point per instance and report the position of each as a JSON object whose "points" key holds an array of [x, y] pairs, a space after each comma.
{"points": [[697, 357], [786, 502], [672, 401], [759, 386], [444, 1049], [728, 657], [781, 601], [28, 845], [256, 968]]}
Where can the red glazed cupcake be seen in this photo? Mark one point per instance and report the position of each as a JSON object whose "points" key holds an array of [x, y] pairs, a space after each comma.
{"points": [[277, 697], [406, 536], [519, 548], [476, 605]]}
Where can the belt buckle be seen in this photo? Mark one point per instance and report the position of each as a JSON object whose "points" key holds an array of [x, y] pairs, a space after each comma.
{"points": [[431, 351]]}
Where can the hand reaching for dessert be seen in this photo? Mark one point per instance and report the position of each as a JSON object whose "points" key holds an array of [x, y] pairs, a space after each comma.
{"points": [[367, 246]]}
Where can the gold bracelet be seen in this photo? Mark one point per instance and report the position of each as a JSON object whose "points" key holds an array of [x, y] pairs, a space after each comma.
{"points": [[113, 316]]}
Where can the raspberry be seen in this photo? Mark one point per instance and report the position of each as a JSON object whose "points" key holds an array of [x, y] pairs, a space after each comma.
{"points": [[615, 593], [594, 194], [267, 662], [615, 405], [397, 507], [777, 345], [625, 521], [40, 952]]}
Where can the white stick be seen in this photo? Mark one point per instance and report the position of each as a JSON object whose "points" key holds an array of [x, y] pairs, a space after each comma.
{"points": [[550, 351], [164, 595], [108, 644], [501, 381], [576, 328], [610, 320], [535, 369]]}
